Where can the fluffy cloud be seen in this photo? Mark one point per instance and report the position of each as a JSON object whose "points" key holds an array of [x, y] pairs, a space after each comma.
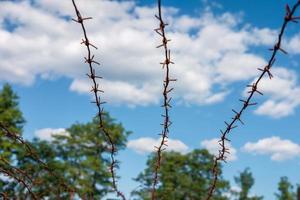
{"points": [[118, 92], [48, 133], [279, 149], [213, 147], [209, 51], [292, 45], [146, 145]]}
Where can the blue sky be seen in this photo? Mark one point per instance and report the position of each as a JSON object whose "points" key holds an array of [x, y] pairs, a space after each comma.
{"points": [[216, 45]]}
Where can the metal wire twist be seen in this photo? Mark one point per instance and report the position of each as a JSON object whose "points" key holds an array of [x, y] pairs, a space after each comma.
{"points": [[247, 102], [98, 101], [166, 98]]}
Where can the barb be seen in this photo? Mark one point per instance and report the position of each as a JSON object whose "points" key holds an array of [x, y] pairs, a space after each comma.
{"points": [[98, 102], [33, 155], [253, 89], [14, 136], [17, 138], [166, 98], [16, 170], [12, 174], [4, 196]]}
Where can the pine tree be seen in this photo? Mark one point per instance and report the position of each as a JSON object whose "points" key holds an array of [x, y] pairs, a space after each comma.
{"points": [[79, 157], [12, 119], [85, 155], [285, 190], [10, 114], [245, 181], [182, 176]]}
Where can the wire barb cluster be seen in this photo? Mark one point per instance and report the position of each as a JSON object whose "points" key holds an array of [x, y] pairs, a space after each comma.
{"points": [[4, 196], [18, 175], [98, 101], [166, 98], [289, 17], [17, 138], [22, 176], [15, 173]]}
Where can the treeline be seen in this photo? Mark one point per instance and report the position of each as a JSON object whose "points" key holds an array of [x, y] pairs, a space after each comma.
{"points": [[76, 165]]}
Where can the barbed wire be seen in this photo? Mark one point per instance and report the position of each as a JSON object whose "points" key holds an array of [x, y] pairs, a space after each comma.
{"points": [[247, 102], [19, 176], [166, 98], [98, 102], [4, 195], [31, 154]]}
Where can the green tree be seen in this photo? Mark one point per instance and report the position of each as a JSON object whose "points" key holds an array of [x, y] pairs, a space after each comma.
{"points": [[285, 190], [48, 177], [245, 181], [79, 160], [85, 154], [11, 118], [182, 176]]}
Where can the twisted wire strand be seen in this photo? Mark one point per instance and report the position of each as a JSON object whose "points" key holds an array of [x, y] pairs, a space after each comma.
{"points": [[18, 175], [247, 102], [4, 196], [22, 181], [98, 101], [166, 98], [33, 155]]}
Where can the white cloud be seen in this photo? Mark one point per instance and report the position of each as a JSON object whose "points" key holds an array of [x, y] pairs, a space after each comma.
{"points": [[233, 190], [118, 92], [279, 149], [48, 133], [282, 91], [146, 145], [276, 109], [292, 45], [234, 67], [44, 44], [213, 147]]}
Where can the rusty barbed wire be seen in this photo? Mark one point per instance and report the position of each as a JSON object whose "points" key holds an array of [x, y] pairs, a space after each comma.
{"points": [[17, 138], [31, 154], [253, 89], [4, 195], [14, 172], [98, 102], [15, 169], [14, 136], [18, 175], [166, 98]]}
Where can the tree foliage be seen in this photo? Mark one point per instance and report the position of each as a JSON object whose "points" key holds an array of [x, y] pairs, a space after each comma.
{"points": [[182, 176], [79, 157], [285, 190], [75, 162], [12, 118], [84, 152], [245, 181]]}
